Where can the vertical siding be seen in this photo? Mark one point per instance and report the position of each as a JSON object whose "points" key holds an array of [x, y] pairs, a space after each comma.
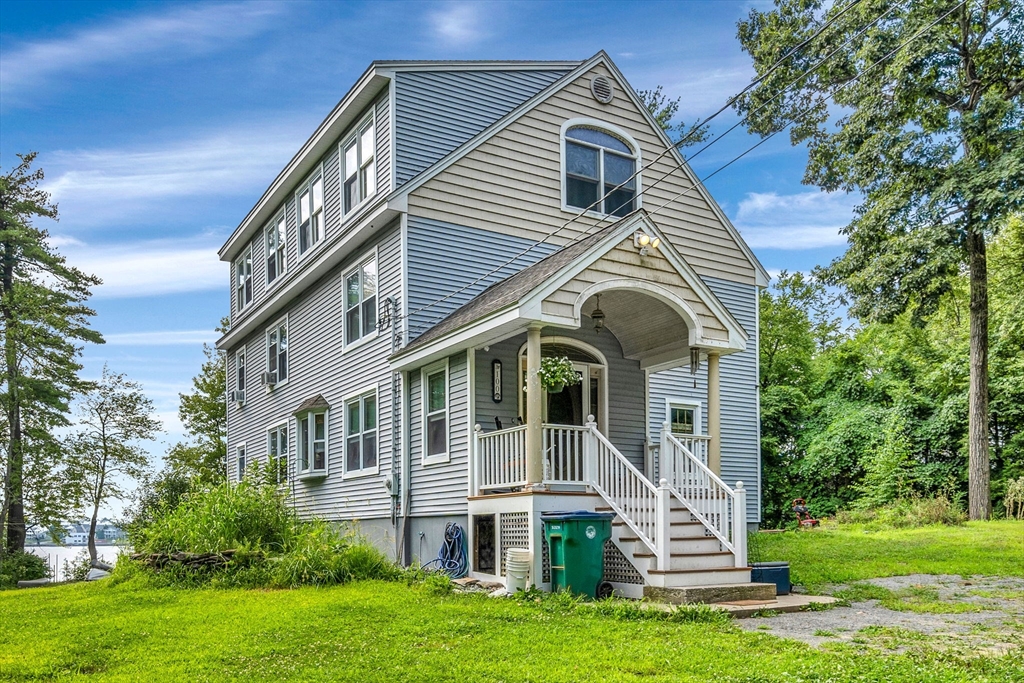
{"points": [[318, 364], [436, 111], [444, 257], [440, 489], [740, 435]]}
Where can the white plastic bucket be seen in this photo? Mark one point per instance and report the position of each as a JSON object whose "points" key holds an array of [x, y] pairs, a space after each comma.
{"points": [[517, 569]]}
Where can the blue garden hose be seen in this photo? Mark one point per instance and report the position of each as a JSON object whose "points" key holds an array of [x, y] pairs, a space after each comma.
{"points": [[451, 558]]}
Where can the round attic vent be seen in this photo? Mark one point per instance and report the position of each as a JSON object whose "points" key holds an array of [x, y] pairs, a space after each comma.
{"points": [[602, 90]]}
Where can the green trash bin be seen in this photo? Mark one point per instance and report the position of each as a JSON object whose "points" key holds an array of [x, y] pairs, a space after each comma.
{"points": [[576, 550]]}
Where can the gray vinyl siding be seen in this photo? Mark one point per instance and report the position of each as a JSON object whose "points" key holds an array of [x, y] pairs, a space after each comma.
{"points": [[440, 489], [318, 364], [625, 387], [436, 111], [444, 257], [740, 424], [382, 121]]}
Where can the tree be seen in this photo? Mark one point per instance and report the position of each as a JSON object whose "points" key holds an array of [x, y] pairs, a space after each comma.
{"points": [[664, 111], [43, 318], [932, 136], [114, 416]]}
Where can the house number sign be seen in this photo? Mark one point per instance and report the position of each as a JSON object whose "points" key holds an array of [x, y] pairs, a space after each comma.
{"points": [[496, 380]]}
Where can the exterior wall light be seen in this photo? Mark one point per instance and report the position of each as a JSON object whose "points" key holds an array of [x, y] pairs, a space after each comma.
{"points": [[645, 242], [597, 315]]}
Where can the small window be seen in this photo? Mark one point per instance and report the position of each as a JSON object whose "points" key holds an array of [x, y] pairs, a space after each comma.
{"points": [[275, 235], [435, 412], [277, 351], [309, 212], [243, 279], [312, 438], [240, 376], [240, 461], [596, 163], [361, 433], [684, 418], [361, 301], [277, 452], [359, 170]]}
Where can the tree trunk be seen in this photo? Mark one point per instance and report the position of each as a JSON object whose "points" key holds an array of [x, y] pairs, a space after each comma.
{"points": [[979, 505], [14, 499], [92, 531]]}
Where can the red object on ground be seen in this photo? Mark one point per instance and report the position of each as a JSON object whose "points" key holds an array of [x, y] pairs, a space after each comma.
{"points": [[803, 516]]}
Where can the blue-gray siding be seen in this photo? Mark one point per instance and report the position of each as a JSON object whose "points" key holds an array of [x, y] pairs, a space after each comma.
{"points": [[741, 453], [444, 257], [437, 111]]}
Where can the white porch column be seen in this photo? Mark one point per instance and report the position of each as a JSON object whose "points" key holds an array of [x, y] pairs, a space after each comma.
{"points": [[534, 409], [714, 415]]}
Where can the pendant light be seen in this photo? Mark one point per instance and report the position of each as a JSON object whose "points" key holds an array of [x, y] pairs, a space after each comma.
{"points": [[597, 315]]}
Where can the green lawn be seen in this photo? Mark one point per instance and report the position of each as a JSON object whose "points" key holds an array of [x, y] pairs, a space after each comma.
{"points": [[393, 632], [843, 554]]}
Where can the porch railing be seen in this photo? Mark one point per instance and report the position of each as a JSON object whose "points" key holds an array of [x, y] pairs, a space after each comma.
{"points": [[628, 492], [563, 454], [501, 458], [720, 508]]}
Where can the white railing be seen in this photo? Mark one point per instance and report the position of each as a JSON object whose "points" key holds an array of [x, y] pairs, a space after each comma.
{"points": [[709, 499], [501, 458], [563, 454], [697, 444], [629, 493]]}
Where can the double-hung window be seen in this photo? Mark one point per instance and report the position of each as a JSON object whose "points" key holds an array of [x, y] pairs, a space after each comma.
{"points": [[684, 418], [361, 433], [435, 413], [240, 461], [309, 211], [312, 442], [596, 164], [275, 248], [361, 300], [277, 452], [243, 279], [277, 351], [240, 376], [360, 171]]}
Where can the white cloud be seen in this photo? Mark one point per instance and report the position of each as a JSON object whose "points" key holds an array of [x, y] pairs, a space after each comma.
{"points": [[806, 220], [152, 267], [181, 31], [460, 24], [162, 338]]}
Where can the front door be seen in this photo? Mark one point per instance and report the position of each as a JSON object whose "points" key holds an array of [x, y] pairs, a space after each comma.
{"points": [[573, 404]]}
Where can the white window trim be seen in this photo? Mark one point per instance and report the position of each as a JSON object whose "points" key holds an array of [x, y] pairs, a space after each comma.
{"points": [[350, 134], [241, 447], [366, 338], [617, 132], [243, 353], [308, 183], [281, 215], [266, 348], [313, 473], [698, 412], [272, 428], [437, 458], [239, 304], [366, 471]]}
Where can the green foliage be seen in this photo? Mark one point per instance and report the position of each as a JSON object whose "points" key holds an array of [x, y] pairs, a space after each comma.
{"points": [[905, 513], [556, 372], [77, 569], [15, 567], [438, 584], [664, 110], [44, 321]]}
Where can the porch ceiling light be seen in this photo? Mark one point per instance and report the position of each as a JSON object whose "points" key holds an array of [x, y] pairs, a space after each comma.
{"points": [[597, 315]]}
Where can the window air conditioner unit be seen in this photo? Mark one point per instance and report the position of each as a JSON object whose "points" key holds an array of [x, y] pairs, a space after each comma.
{"points": [[268, 379], [238, 396]]}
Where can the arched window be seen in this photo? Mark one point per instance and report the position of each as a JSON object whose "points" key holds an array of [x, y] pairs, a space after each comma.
{"points": [[596, 162]]}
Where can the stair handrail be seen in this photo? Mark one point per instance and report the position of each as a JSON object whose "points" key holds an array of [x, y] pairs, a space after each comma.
{"points": [[639, 481], [731, 516]]}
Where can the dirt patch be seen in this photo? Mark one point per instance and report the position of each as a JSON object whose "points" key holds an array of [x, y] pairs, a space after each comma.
{"points": [[920, 611]]}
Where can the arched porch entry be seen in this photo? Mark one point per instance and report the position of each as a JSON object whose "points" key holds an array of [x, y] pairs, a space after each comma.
{"points": [[574, 404]]}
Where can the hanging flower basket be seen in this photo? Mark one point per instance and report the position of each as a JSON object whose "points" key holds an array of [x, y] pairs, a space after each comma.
{"points": [[557, 373]]}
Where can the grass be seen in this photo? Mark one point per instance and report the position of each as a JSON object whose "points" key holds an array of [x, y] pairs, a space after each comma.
{"points": [[848, 553], [375, 631], [912, 599]]}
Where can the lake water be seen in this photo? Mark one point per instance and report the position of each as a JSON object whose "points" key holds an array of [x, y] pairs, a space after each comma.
{"points": [[55, 555]]}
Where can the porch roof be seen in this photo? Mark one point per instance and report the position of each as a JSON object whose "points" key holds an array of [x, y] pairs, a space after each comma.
{"points": [[525, 298]]}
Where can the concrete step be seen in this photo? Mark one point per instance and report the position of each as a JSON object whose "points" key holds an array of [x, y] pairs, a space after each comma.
{"points": [[710, 593], [678, 578], [712, 560]]}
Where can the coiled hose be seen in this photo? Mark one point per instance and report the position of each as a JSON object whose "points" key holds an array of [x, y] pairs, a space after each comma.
{"points": [[451, 558]]}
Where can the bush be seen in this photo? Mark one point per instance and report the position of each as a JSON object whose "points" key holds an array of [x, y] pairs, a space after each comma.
{"points": [[273, 548], [15, 567], [78, 568], [915, 512]]}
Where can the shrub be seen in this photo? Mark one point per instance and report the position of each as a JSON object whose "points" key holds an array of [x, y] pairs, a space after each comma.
{"points": [[78, 568], [15, 567], [915, 512]]}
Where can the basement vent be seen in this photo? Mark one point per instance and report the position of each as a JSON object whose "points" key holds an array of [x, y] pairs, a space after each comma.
{"points": [[602, 90]]}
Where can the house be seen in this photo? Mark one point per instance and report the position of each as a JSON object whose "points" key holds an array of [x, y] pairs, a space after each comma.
{"points": [[394, 290]]}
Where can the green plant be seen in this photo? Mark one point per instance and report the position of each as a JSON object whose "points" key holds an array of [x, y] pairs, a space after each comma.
{"points": [[1013, 499], [78, 568], [557, 372], [907, 513], [438, 584], [15, 567]]}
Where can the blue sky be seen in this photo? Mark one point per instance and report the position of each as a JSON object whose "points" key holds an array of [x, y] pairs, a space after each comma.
{"points": [[160, 124]]}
